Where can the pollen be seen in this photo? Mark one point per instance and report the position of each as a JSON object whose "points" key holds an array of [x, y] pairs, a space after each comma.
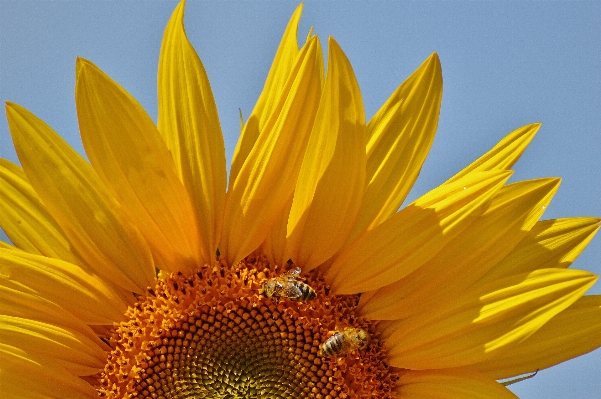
{"points": [[213, 334]]}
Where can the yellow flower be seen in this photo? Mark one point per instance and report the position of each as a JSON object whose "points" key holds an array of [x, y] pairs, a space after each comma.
{"points": [[143, 273]]}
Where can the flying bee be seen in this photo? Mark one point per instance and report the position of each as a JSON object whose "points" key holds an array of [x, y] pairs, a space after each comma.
{"points": [[344, 342], [287, 286]]}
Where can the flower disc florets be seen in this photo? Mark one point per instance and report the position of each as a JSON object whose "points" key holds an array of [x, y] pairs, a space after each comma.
{"points": [[213, 334]]}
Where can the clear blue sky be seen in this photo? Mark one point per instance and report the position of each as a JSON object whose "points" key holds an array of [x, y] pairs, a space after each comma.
{"points": [[504, 65]]}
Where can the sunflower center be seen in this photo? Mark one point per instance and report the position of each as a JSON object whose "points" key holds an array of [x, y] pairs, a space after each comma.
{"points": [[215, 334]]}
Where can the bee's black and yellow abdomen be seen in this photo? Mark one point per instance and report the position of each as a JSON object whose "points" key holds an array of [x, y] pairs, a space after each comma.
{"points": [[333, 345], [307, 293]]}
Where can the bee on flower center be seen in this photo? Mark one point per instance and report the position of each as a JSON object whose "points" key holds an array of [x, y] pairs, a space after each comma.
{"points": [[345, 341], [288, 286]]}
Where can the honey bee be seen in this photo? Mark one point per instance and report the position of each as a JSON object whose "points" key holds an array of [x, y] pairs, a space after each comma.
{"points": [[287, 286], [345, 341]]}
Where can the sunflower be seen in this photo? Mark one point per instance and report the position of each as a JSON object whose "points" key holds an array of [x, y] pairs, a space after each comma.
{"points": [[145, 272]]}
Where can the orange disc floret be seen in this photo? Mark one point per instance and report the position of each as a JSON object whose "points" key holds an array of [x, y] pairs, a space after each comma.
{"points": [[213, 334]]}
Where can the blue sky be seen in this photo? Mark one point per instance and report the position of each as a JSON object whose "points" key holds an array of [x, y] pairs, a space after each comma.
{"points": [[504, 65]]}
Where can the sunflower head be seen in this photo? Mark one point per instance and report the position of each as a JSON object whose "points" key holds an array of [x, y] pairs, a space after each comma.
{"points": [[142, 271], [210, 334]]}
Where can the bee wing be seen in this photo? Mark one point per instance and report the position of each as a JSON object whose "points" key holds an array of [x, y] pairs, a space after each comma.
{"points": [[271, 287], [291, 274], [291, 291]]}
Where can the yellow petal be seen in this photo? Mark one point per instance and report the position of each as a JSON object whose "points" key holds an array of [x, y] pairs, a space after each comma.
{"points": [[127, 151], [466, 258], [550, 243], [51, 379], [400, 135], [189, 124], [503, 155], [450, 384], [332, 177], [29, 305], [485, 318], [25, 220], [414, 235], [283, 64], [80, 203], [85, 295], [274, 246], [573, 332], [72, 349], [266, 180]]}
